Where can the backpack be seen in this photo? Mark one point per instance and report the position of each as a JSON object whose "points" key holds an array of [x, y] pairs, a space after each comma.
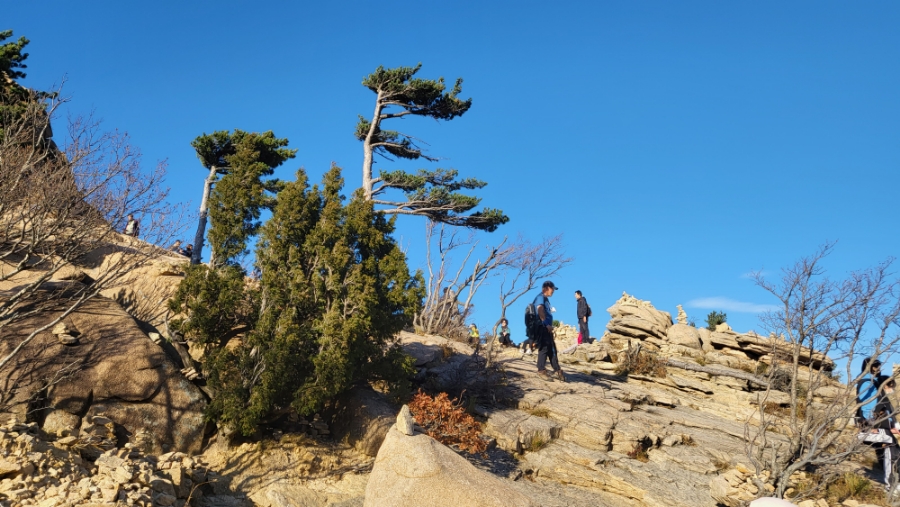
{"points": [[532, 320], [588, 313]]}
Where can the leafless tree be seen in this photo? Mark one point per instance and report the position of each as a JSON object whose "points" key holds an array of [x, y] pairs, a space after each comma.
{"points": [[451, 286], [60, 208], [530, 265], [805, 417]]}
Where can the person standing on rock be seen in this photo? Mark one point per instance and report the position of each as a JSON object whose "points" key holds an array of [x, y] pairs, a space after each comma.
{"points": [[545, 342], [132, 227], [584, 313]]}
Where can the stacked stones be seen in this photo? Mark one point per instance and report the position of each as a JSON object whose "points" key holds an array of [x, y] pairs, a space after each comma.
{"points": [[54, 474]]}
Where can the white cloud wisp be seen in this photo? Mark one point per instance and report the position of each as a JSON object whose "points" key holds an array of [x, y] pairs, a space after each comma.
{"points": [[730, 305]]}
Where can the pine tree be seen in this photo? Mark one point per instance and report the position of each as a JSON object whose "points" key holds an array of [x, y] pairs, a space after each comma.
{"points": [[242, 159], [241, 194], [12, 58], [435, 193], [334, 290]]}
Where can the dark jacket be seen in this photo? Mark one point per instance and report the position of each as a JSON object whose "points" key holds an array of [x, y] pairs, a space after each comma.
{"points": [[582, 307]]}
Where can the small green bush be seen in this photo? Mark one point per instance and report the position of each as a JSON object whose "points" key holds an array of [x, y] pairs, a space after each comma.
{"points": [[714, 319]]}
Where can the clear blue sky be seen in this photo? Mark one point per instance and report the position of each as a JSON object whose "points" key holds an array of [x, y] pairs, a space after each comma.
{"points": [[677, 145]]}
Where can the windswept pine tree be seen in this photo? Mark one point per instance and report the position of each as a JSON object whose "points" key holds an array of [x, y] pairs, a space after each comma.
{"points": [[431, 193], [236, 189]]}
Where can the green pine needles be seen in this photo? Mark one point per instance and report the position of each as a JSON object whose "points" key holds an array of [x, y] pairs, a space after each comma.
{"points": [[334, 290], [431, 193], [239, 164], [715, 318]]}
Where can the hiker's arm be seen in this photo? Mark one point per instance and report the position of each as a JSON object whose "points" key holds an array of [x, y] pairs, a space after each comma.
{"points": [[542, 314]]}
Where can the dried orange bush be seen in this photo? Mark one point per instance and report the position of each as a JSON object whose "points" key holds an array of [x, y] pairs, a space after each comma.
{"points": [[447, 422]]}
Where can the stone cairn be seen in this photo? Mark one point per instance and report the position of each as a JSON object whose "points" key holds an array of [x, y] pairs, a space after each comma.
{"points": [[35, 472]]}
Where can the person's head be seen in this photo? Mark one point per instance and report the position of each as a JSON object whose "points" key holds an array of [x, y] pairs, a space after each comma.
{"points": [[190, 246], [473, 326], [871, 365], [177, 242], [577, 294], [130, 216], [504, 322], [548, 288]]}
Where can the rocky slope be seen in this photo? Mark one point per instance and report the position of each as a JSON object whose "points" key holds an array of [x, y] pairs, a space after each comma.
{"points": [[599, 439]]}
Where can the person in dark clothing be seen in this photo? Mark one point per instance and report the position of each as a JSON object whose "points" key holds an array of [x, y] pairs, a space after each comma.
{"points": [[583, 316], [546, 344], [503, 334], [188, 251], [874, 416], [884, 421]]}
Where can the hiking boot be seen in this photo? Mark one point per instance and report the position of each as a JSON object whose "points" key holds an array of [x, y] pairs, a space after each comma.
{"points": [[545, 376], [560, 375]]}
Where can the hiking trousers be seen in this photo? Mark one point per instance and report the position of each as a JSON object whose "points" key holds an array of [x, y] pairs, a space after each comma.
{"points": [[547, 350], [888, 454], [585, 332]]}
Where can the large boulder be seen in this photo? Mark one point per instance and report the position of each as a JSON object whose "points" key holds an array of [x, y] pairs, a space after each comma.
{"points": [[362, 418], [418, 471], [685, 335], [114, 370], [629, 305]]}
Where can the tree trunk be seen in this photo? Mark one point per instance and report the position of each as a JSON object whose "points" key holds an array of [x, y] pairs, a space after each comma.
{"points": [[201, 225], [368, 151]]}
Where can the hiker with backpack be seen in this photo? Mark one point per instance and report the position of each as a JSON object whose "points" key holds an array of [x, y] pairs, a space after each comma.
{"points": [[539, 323], [584, 313], [874, 417]]}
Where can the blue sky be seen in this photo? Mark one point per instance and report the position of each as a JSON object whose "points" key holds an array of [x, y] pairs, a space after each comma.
{"points": [[677, 145]]}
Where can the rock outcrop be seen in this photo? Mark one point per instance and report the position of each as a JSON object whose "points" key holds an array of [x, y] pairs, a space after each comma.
{"points": [[114, 370], [100, 360], [418, 471], [54, 473]]}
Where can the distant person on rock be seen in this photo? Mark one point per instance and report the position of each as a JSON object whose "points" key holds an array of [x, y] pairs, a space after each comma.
{"points": [[176, 247], [132, 227], [545, 342], [584, 313], [188, 251], [503, 334], [474, 338]]}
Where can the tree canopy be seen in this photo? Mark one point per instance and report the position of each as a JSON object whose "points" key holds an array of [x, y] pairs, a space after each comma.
{"points": [[334, 288], [239, 165], [11, 56], [431, 193]]}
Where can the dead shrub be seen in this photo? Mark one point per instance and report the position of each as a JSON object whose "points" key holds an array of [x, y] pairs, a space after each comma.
{"points": [[638, 362], [447, 422], [836, 489], [639, 452], [539, 412]]}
